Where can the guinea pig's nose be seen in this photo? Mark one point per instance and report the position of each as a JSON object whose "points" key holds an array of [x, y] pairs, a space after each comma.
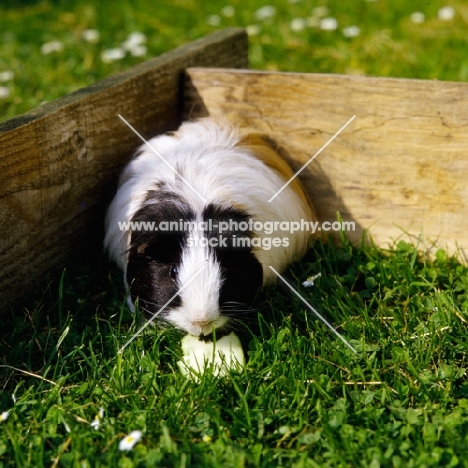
{"points": [[203, 327], [201, 323]]}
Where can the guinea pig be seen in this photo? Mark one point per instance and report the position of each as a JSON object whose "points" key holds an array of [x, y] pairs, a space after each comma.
{"points": [[192, 228]]}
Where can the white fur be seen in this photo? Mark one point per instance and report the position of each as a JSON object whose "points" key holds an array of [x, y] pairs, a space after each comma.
{"points": [[205, 154], [199, 312]]}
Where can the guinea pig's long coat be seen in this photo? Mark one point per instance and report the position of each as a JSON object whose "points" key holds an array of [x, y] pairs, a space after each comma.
{"points": [[221, 174]]}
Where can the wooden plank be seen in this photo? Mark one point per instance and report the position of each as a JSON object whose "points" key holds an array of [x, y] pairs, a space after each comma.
{"points": [[402, 163], [59, 162]]}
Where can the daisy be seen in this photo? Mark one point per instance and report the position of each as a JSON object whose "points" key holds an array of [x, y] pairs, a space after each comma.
{"points": [[134, 39], [111, 55], [228, 11], [298, 24], [213, 20], [310, 280], [90, 35], [253, 29], [265, 12], [49, 47], [129, 441], [446, 13], [328, 24], [138, 51], [6, 76], [96, 424], [417, 17], [351, 31], [135, 44]]}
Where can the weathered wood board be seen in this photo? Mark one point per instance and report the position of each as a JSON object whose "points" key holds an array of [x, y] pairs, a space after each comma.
{"points": [[59, 162], [400, 165]]}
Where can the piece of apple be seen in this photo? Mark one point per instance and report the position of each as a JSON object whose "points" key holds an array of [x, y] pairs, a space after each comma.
{"points": [[222, 355]]}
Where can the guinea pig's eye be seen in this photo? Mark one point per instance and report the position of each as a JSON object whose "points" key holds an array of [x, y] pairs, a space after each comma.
{"points": [[174, 271]]}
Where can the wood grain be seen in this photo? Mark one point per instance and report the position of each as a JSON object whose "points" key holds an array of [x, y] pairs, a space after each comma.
{"points": [[59, 162], [400, 166]]}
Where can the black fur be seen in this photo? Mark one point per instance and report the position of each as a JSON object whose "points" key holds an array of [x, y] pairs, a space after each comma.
{"points": [[242, 272], [154, 255]]}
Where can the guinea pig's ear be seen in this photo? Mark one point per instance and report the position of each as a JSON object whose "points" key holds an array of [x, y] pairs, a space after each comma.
{"points": [[141, 248], [161, 248]]}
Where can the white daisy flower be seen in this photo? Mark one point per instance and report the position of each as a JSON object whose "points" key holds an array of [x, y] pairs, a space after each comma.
{"points": [[253, 29], [446, 13], [49, 47], [96, 423], [298, 24], [328, 24], [4, 416], [90, 35], [310, 280], [4, 92], [213, 20], [129, 441], [351, 31], [228, 11], [417, 17], [112, 55], [265, 12], [138, 50], [135, 44], [134, 39], [6, 76]]}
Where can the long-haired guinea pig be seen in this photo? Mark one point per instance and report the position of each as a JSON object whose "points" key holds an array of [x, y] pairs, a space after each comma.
{"points": [[192, 229]]}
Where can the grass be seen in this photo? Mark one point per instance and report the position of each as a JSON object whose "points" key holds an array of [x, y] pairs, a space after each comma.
{"points": [[304, 399], [389, 43]]}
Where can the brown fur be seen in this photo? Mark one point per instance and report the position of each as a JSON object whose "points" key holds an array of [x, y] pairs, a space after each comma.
{"points": [[265, 149]]}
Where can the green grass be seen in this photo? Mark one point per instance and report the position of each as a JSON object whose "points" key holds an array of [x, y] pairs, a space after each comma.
{"points": [[304, 399], [389, 43]]}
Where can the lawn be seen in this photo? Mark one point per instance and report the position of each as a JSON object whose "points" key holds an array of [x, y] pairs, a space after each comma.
{"points": [[304, 399]]}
